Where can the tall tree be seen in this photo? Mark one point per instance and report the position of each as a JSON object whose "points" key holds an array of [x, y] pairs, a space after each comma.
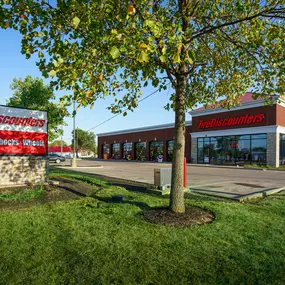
{"points": [[58, 143], [84, 141], [33, 93], [206, 49]]}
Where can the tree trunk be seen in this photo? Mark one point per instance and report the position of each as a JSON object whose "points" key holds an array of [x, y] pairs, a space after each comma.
{"points": [[177, 179]]}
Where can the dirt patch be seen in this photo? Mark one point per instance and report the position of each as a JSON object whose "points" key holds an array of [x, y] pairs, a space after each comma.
{"points": [[67, 189], [192, 216], [75, 186], [51, 194]]}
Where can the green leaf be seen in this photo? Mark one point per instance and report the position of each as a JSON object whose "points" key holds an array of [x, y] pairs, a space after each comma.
{"points": [[149, 23], [163, 58], [115, 53], [75, 22], [142, 57], [191, 54], [176, 58], [123, 49], [190, 60], [52, 73]]}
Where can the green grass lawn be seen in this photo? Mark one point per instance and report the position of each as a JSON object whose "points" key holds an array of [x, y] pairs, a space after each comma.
{"points": [[87, 241], [21, 194]]}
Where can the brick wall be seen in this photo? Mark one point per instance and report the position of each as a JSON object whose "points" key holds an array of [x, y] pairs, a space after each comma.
{"points": [[16, 170], [163, 135]]}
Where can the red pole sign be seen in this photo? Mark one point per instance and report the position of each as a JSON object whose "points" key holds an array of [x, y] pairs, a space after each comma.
{"points": [[185, 173], [23, 131]]}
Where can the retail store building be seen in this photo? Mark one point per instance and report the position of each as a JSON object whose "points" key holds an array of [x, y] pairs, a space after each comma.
{"points": [[247, 134]]}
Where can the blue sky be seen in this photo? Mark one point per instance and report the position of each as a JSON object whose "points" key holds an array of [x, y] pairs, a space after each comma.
{"points": [[14, 64]]}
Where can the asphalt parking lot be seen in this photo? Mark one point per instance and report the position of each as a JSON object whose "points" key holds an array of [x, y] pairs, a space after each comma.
{"points": [[220, 180]]}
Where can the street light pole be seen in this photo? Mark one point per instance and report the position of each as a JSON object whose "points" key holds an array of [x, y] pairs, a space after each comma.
{"points": [[73, 162], [77, 143], [61, 142]]}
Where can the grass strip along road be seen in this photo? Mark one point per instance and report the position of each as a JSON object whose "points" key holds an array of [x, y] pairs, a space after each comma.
{"points": [[84, 240]]}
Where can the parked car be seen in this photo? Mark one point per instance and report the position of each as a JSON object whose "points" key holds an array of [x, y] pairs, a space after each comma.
{"points": [[55, 158]]}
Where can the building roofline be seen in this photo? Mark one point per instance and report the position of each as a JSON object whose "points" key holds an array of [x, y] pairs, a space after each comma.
{"points": [[244, 105], [142, 129]]}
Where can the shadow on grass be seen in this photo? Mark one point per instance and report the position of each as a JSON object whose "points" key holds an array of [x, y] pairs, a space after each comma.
{"points": [[131, 186], [110, 181], [141, 205]]}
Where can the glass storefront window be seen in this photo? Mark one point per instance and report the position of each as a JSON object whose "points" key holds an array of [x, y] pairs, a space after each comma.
{"points": [[233, 149], [106, 151], [243, 151], [156, 151], [243, 137], [221, 150], [127, 151], [200, 151], [170, 147], [259, 136], [214, 150], [116, 151], [230, 146], [258, 147], [140, 151], [206, 150]]}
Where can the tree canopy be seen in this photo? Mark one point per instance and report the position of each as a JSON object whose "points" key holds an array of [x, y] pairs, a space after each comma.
{"points": [[58, 143], [33, 93], [97, 48], [84, 141], [206, 49]]}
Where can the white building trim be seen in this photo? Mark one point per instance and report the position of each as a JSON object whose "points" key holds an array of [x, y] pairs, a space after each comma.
{"points": [[143, 129], [245, 105], [240, 131], [281, 129], [210, 111]]}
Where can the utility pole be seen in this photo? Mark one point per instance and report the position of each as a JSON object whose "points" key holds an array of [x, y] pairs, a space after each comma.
{"points": [[61, 142], [73, 162], [77, 141]]}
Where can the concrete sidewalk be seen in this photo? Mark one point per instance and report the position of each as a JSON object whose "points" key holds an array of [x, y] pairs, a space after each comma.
{"points": [[230, 182]]}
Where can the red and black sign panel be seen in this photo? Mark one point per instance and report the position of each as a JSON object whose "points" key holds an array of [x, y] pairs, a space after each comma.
{"points": [[23, 131]]}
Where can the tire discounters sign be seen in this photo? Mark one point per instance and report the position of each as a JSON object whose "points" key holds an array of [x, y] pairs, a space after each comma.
{"points": [[23, 131]]}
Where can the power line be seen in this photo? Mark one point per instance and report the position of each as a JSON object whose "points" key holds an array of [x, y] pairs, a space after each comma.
{"points": [[122, 111], [111, 118]]}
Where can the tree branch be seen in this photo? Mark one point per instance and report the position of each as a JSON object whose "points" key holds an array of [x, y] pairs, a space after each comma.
{"points": [[229, 39], [208, 30], [167, 69]]}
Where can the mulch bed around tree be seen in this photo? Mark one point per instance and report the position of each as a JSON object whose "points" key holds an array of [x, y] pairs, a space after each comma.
{"points": [[192, 216]]}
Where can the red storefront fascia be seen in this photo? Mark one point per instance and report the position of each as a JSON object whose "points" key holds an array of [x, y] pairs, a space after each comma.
{"points": [[160, 133], [57, 149], [250, 117], [231, 121], [251, 114]]}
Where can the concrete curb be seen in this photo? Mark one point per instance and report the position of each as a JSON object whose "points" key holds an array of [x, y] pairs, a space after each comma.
{"points": [[241, 198], [70, 167], [261, 194], [234, 167]]}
